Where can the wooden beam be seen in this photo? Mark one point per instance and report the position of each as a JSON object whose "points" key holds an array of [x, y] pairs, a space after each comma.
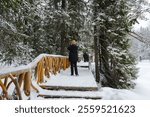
{"points": [[66, 96], [16, 72], [73, 88]]}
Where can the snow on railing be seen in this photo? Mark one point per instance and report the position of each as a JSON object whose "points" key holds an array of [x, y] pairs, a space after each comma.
{"points": [[44, 64]]}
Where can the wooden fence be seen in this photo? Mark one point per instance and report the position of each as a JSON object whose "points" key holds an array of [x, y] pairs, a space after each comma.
{"points": [[20, 77]]}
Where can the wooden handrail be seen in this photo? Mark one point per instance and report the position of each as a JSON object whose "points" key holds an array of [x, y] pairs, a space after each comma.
{"points": [[43, 65]]}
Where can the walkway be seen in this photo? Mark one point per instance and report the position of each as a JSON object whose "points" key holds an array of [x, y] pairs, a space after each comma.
{"points": [[65, 86]]}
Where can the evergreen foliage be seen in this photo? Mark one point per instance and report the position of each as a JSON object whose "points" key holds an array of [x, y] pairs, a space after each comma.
{"points": [[112, 21], [31, 27]]}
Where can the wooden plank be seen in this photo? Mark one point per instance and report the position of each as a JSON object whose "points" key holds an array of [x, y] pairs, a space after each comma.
{"points": [[17, 72], [66, 96], [84, 66], [69, 88]]}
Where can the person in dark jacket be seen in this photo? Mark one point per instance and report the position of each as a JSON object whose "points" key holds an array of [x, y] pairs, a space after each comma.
{"points": [[86, 57], [73, 57]]}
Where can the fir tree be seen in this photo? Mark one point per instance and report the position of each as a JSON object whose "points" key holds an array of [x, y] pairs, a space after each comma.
{"points": [[116, 64]]}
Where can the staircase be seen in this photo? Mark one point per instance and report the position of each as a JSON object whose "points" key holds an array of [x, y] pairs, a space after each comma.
{"points": [[65, 86]]}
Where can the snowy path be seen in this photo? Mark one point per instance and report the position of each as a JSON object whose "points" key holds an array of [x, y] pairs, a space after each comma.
{"points": [[85, 80]]}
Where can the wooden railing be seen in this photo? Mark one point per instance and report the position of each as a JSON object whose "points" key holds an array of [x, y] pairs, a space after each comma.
{"points": [[20, 77]]}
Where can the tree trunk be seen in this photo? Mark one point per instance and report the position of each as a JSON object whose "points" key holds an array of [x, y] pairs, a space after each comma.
{"points": [[63, 40], [63, 32], [55, 4], [97, 73]]}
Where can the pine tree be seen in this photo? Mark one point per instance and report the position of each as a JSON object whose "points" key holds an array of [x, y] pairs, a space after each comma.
{"points": [[11, 46], [65, 22], [117, 66]]}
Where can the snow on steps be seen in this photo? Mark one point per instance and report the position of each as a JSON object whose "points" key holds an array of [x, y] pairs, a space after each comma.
{"points": [[73, 88], [71, 94], [65, 86]]}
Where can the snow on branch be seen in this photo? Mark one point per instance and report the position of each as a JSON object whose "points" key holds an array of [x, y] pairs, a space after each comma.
{"points": [[10, 28], [139, 37], [6, 25]]}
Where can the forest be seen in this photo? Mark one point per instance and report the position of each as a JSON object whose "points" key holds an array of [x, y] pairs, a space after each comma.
{"points": [[102, 27]]}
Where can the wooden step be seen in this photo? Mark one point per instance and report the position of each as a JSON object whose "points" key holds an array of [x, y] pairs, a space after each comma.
{"points": [[66, 96], [73, 88], [65, 86], [69, 94]]}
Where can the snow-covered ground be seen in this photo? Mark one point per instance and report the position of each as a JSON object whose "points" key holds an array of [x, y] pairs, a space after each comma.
{"points": [[140, 92]]}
